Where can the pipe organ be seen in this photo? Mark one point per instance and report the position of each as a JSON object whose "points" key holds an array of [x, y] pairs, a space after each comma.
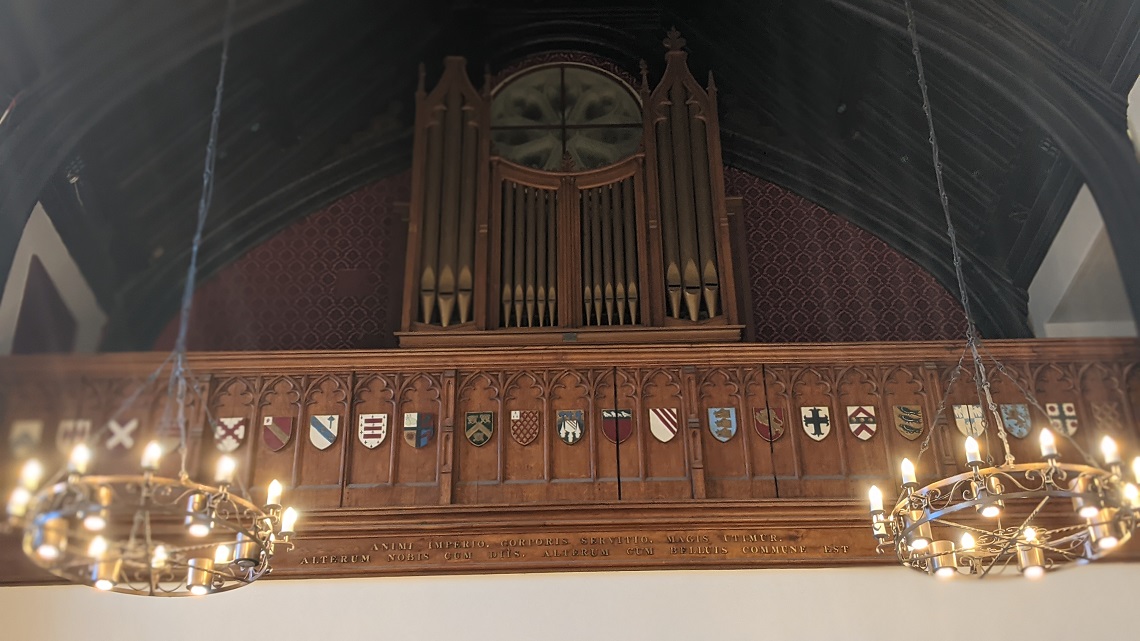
{"points": [[564, 205]]}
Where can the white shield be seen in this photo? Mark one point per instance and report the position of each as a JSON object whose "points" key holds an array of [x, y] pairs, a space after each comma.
{"points": [[663, 423], [229, 433], [72, 432], [121, 436], [816, 421], [970, 419], [323, 429], [372, 429]]}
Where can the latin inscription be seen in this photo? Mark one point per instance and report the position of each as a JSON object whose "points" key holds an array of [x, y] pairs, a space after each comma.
{"points": [[748, 547]]}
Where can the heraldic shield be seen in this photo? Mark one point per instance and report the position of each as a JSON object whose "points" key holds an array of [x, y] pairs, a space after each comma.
{"points": [[816, 421], [571, 426], [24, 437], [372, 429], [861, 421], [1062, 417], [71, 432], [323, 429], [617, 425], [1015, 418], [525, 425], [276, 431], [769, 423], [908, 421], [479, 427], [121, 435], [663, 423], [722, 423], [419, 428], [229, 433], [970, 420]]}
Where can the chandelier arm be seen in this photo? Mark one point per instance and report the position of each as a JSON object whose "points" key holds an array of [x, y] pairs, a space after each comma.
{"points": [[1009, 542]]}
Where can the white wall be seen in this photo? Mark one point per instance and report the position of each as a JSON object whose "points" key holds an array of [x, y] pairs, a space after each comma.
{"points": [[1095, 602], [40, 239]]}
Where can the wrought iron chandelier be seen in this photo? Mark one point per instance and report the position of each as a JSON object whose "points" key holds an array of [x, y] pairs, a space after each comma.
{"points": [[144, 533], [1034, 517]]}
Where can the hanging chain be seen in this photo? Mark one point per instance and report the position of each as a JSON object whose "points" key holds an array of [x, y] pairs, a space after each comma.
{"points": [[178, 382], [971, 330]]}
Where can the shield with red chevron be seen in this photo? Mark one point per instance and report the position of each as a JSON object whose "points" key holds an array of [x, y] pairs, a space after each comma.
{"points": [[861, 419]]}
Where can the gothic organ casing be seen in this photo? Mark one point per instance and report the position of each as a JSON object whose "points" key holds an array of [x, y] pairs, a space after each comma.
{"points": [[519, 244]]}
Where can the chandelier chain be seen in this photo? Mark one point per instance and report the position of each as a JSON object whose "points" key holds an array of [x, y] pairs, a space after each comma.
{"points": [[178, 371], [963, 293]]}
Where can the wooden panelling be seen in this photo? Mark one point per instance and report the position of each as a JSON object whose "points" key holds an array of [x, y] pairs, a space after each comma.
{"points": [[526, 462]]}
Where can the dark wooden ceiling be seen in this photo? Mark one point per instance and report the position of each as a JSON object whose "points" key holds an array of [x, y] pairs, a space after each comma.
{"points": [[113, 105]]}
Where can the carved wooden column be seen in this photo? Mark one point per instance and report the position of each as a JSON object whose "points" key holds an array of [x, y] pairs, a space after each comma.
{"points": [[447, 436]]}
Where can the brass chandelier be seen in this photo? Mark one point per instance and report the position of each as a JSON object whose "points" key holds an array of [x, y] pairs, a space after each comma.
{"points": [[145, 533], [1035, 517]]}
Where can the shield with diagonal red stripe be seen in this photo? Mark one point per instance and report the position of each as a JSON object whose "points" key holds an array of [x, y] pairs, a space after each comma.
{"points": [[664, 423], [276, 431], [229, 433]]}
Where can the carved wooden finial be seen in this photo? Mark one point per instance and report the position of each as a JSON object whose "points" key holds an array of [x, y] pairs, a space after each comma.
{"points": [[712, 83], [673, 40], [486, 80], [567, 161], [423, 79], [644, 75]]}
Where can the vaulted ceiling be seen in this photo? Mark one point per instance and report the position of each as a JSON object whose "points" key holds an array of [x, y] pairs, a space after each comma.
{"points": [[112, 106]]}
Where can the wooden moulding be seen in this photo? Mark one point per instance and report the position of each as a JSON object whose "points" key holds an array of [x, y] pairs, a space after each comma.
{"points": [[581, 335]]}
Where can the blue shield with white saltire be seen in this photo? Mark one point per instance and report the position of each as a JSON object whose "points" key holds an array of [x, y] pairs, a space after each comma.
{"points": [[323, 429], [419, 428], [722, 423], [1015, 419]]}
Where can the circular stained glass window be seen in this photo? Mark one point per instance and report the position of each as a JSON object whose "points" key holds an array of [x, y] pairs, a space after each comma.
{"points": [[542, 113]]}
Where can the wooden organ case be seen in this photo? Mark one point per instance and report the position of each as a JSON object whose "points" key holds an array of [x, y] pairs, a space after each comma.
{"points": [[634, 250]]}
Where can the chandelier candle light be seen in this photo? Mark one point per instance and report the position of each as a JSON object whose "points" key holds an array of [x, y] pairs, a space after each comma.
{"points": [[1036, 517], [144, 533]]}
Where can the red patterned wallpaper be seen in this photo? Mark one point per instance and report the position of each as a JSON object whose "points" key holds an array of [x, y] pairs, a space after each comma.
{"points": [[817, 278], [333, 280]]}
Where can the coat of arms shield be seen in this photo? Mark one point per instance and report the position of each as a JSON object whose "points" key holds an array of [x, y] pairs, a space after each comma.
{"points": [[276, 431], [72, 432], [816, 421], [419, 428], [617, 425], [571, 426], [1063, 417], [722, 423], [970, 419], [861, 421], [908, 421], [24, 437], [323, 429], [479, 426], [372, 429], [229, 433], [525, 426], [770, 423], [1015, 419], [663, 423]]}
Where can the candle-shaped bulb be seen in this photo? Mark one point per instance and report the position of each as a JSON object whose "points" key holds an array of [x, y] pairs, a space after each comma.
{"points": [[151, 456], [288, 520], [1132, 495], [1136, 468], [18, 502], [80, 458], [876, 497], [973, 454], [967, 541], [273, 496], [97, 548], [908, 474], [222, 555], [1029, 534], [158, 560], [1109, 450], [1048, 444], [31, 474], [225, 473]]}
